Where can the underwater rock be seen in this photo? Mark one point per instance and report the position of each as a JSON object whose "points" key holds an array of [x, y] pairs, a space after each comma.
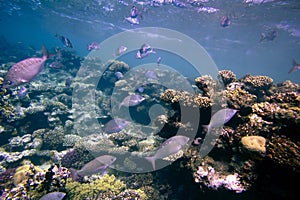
{"points": [[254, 144], [284, 152]]}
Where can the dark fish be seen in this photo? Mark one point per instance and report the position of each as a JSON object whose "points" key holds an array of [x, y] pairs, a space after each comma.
{"points": [[56, 65], [134, 12], [225, 21], [270, 36], [115, 125], [169, 147], [93, 46], [25, 70], [220, 118], [295, 67], [68, 82], [131, 100], [53, 196], [66, 42], [178, 3], [144, 51], [98, 165]]}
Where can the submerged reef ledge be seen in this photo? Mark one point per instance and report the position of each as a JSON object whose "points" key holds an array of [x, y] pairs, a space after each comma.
{"points": [[259, 145]]}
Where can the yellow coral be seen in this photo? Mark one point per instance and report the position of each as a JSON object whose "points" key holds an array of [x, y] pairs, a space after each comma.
{"points": [[107, 184], [21, 175]]}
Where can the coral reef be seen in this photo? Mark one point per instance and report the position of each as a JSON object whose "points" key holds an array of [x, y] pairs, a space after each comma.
{"points": [[107, 187], [227, 76]]}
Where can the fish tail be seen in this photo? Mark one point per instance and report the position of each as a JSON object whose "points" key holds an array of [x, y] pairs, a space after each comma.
{"points": [[45, 52], [152, 161], [262, 37], [73, 175], [295, 64]]}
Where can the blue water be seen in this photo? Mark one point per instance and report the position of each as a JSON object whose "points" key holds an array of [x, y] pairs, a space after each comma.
{"points": [[235, 47]]}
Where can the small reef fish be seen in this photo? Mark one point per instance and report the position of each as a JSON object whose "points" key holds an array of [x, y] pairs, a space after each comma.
{"points": [[134, 13], [140, 89], [115, 125], [169, 147], [93, 46], [235, 85], [178, 3], [56, 65], [98, 165], [131, 100], [53, 196], [270, 36], [22, 92], [225, 21], [144, 51], [220, 118], [151, 74], [66, 42], [119, 75], [296, 66], [158, 61], [25, 70], [120, 51]]}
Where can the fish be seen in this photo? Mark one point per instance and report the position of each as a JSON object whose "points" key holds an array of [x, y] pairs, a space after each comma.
{"points": [[225, 21], [93, 46], [119, 75], [295, 67], [120, 51], [235, 85], [270, 36], [66, 42], [134, 21], [151, 74], [97, 165], [170, 146], [115, 125], [134, 12], [53, 196], [22, 92], [56, 65], [158, 61], [140, 89], [25, 70], [132, 100], [144, 51], [220, 118], [68, 82]]}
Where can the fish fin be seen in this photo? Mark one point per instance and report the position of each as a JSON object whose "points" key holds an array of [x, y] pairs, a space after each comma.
{"points": [[295, 64], [152, 161], [74, 175], [207, 127], [45, 52], [262, 37]]}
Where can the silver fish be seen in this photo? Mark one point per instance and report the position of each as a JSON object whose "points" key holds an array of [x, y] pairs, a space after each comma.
{"points": [[25, 70], [220, 118], [295, 67], [115, 125], [134, 21], [53, 196], [120, 50], [131, 100], [97, 165], [169, 147]]}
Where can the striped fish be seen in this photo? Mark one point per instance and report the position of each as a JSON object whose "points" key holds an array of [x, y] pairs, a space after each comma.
{"points": [[25, 70]]}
